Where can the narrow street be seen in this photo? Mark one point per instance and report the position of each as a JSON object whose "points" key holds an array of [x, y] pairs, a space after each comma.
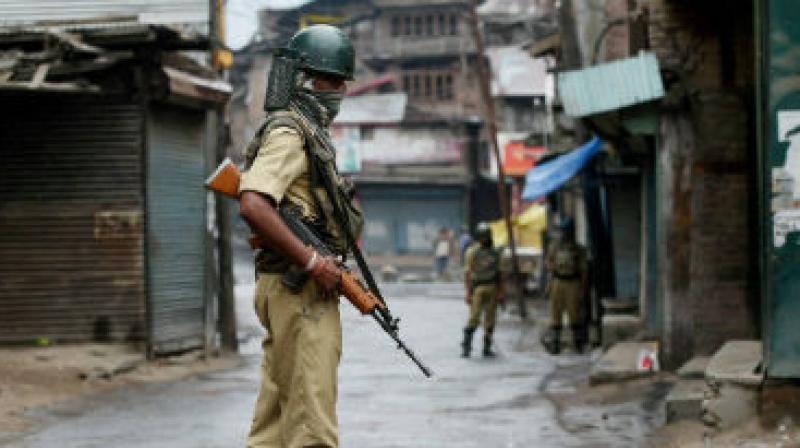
{"points": [[384, 401]]}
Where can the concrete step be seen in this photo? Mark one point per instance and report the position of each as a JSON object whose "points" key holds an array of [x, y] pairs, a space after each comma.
{"points": [[618, 328], [619, 363], [695, 368], [737, 362], [616, 306], [733, 379], [685, 400]]}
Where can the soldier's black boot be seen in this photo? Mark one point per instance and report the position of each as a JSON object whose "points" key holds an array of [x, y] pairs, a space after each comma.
{"points": [[556, 341], [551, 340], [578, 338], [466, 345], [487, 345]]}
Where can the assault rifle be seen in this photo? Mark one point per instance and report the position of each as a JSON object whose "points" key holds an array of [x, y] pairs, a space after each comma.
{"points": [[225, 180]]}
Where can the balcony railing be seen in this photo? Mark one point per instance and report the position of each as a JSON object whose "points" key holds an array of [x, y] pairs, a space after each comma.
{"points": [[402, 47]]}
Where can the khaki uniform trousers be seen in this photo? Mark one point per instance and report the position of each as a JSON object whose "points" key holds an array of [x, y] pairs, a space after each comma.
{"points": [[484, 298], [565, 296], [296, 405]]}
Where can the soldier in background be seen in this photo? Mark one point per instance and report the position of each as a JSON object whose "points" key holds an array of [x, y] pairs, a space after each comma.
{"points": [[567, 265], [484, 289]]}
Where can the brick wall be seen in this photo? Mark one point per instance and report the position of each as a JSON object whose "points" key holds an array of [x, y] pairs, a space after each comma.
{"points": [[706, 51]]}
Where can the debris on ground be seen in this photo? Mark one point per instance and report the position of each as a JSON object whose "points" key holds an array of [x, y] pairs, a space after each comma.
{"points": [[34, 377]]}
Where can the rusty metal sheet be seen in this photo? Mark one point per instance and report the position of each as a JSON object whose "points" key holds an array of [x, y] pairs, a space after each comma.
{"points": [[164, 12], [71, 231]]}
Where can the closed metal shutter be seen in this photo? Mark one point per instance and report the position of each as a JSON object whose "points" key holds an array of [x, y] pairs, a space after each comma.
{"points": [[71, 226], [176, 223], [625, 202], [407, 218]]}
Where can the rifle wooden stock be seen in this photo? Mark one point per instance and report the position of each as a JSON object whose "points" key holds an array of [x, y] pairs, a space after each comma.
{"points": [[361, 298], [225, 180]]}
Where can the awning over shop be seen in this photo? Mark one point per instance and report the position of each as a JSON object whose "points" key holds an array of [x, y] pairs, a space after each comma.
{"points": [[551, 175], [527, 227], [625, 82]]}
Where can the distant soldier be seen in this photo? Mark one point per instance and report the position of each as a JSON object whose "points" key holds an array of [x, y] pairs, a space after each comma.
{"points": [[484, 288], [567, 265]]}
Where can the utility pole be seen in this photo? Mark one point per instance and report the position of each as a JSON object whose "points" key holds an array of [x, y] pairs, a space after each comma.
{"points": [[225, 298], [488, 108]]}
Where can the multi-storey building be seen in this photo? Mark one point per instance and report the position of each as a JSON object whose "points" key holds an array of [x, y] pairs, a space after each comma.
{"points": [[427, 46], [412, 175]]}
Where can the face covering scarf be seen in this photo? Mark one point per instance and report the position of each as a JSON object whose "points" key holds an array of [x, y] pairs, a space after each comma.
{"points": [[330, 101]]}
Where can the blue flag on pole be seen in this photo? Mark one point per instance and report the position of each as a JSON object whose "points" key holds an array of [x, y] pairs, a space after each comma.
{"points": [[551, 175]]}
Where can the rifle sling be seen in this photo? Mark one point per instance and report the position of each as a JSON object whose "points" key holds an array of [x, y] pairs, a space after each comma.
{"points": [[319, 173], [341, 217]]}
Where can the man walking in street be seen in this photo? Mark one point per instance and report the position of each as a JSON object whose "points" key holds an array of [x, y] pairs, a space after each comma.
{"points": [[296, 405], [464, 241], [442, 249], [567, 265], [484, 289]]}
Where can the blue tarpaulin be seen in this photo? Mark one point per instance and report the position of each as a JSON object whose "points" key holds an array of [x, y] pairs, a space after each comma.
{"points": [[551, 175]]}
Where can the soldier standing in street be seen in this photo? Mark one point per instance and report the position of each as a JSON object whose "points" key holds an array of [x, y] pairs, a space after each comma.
{"points": [[296, 405], [484, 288], [567, 265]]}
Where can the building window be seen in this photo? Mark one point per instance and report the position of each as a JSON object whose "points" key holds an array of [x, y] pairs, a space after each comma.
{"points": [[453, 25], [431, 85], [442, 25], [418, 26], [395, 26], [428, 86], [429, 25], [367, 134], [448, 87], [407, 26]]}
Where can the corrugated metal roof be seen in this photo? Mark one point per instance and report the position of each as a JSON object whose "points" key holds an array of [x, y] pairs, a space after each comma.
{"points": [[611, 86], [516, 73], [386, 108], [519, 8], [417, 3], [166, 12]]}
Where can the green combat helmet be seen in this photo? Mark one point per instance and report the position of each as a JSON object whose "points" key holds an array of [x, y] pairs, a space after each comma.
{"points": [[324, 49]]}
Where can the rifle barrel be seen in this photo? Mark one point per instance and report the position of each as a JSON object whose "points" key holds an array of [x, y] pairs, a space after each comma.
{"points": [[401, 345]]}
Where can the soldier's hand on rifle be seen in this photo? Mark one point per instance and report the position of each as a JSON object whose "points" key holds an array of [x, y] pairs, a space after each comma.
{"points": [[325, 271]]}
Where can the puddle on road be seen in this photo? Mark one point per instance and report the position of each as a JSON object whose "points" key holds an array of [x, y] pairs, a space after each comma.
{"points": [[619, 414]]}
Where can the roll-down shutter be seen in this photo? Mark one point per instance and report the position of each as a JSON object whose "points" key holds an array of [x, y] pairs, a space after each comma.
{"points": [[71, 225], [176, 223]]}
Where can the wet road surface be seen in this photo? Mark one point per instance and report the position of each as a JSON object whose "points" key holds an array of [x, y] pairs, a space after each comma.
{"points": [[384, 401]]}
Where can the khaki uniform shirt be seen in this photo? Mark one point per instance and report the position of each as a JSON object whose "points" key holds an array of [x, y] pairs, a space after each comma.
{"points": [[280, 170], [576, 250], [469, 256]]}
